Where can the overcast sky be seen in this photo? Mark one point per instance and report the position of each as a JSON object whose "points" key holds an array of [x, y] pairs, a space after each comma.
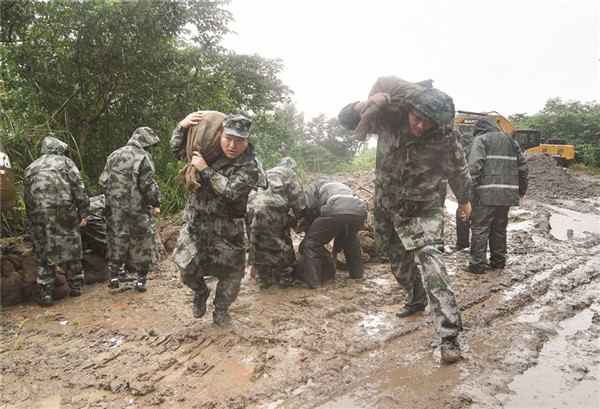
{"points": [[505, 56]]}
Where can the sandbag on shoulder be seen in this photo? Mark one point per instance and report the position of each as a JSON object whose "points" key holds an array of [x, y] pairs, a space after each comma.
{"points": [[204, 139], [398, 90]]}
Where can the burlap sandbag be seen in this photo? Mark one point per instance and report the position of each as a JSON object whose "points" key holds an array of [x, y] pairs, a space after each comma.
{"points": [[11, 289], [95, 268], [398, 90], [204, 139], [169, 238]]}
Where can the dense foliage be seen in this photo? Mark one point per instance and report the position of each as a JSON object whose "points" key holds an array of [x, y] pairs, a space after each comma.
{"points": [[575, 122], [90, 73]]}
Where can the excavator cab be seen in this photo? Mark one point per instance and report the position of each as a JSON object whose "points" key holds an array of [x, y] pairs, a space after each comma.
{"points": [[527, 138]]}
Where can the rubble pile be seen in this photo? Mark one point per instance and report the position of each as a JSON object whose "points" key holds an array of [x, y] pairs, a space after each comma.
{"points": [[549, 180]]}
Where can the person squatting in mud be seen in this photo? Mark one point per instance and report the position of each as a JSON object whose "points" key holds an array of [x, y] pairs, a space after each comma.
{"points": [[57, 207], [499, 172], [333, 211], [132, 201], [268, 223], [416, 150], [211, 239]]}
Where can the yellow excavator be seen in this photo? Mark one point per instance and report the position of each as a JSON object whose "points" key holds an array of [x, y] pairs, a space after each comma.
{"points": [[529, 139]]}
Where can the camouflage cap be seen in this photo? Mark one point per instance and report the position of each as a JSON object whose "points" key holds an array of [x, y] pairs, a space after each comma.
{"points": [[237, 125], [434, 104]]}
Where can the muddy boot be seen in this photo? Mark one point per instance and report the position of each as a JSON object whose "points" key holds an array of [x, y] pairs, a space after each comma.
{"points": [[114, 280], [126, 277], [450, 350], [199, 304], [222, 319], [263, 281], [46, 298], [288, 280], [140, 286]]}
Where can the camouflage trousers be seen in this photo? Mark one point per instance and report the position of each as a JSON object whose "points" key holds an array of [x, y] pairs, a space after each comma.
{"points": [[228, 286], [428, 285], [47, 274]]}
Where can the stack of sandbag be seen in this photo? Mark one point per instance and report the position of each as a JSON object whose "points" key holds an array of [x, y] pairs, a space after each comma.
{"points": [[398, 89], [202, 138], [168, 237], [19, 275]]}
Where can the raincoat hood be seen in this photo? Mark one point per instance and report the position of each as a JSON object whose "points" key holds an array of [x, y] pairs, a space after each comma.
{"points": [[288, 162], [144, 137], [485, 125], [53, 146], [435, 104]]}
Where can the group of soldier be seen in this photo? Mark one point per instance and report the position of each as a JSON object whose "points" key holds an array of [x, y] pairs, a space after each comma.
{"points": [[417, 152]]}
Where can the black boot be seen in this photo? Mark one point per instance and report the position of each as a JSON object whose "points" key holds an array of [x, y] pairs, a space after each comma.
{"points": [[199, 304], [114, 279], [222, 319], [46, 298], [140, 286], [264, 281], [288, 280]]}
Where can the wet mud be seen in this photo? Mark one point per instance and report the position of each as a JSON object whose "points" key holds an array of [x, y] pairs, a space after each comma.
{"points": [[530, 339]]}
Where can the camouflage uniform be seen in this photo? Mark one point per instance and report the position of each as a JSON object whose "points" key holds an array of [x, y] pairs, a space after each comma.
{"points": [[408, 210], [211, 238], [334, 212], [499, 172], [268, 223], [56, 202], [131, 195]]}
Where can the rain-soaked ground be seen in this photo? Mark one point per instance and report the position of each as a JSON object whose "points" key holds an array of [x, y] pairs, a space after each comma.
{"points": [[530, 339]]}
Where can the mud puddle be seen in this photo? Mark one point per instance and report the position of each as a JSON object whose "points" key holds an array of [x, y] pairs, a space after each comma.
{"points": [[548, 384], [566, 223]]}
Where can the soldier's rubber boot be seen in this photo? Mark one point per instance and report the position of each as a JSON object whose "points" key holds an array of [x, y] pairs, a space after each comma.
{"points": [[288, 280], [263, 281], [46, 297], [450, 350], [199, 304], [140, 286], [75, 288], [114, 279], [125, 277], [222, 319]]}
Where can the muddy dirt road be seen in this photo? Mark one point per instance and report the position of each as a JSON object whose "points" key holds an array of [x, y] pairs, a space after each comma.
{"points": [[531, 336]]}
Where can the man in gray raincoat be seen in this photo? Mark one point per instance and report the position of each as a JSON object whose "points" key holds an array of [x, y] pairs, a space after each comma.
{"points": [[416, 150], [132, 202], [57, 206], [211, 238], [499, 172], [333, 212], [268, 224]]}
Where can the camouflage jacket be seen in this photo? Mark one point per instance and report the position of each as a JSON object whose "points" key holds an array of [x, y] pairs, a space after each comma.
{"points": [[268, 220], [213, 215], [55, 202], [409, 170], [284, 191], [131, 194], [497, 166]]}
